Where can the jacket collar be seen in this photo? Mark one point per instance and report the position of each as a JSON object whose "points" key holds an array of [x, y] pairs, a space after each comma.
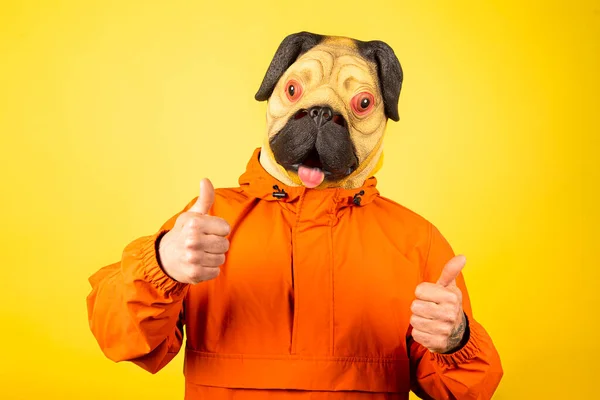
{"points": [[258, 183]]}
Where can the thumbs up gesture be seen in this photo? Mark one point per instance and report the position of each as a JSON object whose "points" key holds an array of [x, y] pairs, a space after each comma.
{"points": [[438, 319], [195, 248]]}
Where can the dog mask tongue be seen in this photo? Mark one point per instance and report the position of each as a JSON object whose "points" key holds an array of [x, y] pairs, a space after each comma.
{"points": [[310, 177]]}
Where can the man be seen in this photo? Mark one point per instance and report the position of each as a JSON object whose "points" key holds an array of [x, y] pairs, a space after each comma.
{"points": [[303, 282]]}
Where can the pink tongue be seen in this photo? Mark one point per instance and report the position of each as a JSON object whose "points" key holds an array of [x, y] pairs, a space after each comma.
{"points": [[310, 177]]}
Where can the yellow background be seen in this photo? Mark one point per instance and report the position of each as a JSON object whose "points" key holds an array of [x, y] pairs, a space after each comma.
{"points": [[111, 112]]}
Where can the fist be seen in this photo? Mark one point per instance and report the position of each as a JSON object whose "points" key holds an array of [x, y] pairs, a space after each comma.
{"points": [[438, 319], [195, 248]]}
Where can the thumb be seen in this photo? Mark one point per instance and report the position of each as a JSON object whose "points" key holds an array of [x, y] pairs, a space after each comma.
{"points": [[205, 199], [452, 270]]}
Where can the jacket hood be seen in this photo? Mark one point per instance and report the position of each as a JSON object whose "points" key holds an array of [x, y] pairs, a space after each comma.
{"points": [[258, 183]]}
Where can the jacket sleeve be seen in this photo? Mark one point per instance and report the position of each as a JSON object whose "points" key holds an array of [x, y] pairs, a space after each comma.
{"points": [[472, 372], [135, 310]]}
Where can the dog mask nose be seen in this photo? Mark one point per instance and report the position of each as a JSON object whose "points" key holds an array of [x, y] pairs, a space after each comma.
{"points": [[320, 115]]}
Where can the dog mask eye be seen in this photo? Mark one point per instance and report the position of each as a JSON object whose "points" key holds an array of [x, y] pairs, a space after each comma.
{"points": [[293, 90], [362, 103]]}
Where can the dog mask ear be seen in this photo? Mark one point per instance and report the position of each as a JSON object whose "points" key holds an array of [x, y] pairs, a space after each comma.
{"points": [[292, 47], [389, 72]]}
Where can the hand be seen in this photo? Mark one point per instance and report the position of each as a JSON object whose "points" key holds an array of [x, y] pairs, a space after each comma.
{"points": [[195, 248], [438, 319]]}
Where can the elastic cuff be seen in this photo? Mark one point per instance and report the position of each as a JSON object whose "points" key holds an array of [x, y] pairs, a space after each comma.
{"points": [[469, 351], [152, 271]]}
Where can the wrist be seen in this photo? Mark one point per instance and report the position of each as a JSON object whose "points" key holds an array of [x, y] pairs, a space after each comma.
{"points": [[160, 251], [150, 271], [460, 336]]}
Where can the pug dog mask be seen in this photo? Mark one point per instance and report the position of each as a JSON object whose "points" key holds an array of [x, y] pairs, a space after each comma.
{"points": [[329, 99]]}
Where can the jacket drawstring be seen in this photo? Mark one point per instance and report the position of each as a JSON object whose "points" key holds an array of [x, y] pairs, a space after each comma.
{"points": [[279, 193], [356, 199]]}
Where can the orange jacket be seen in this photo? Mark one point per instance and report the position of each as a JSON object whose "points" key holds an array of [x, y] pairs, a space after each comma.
{"points": [[313, 302]]}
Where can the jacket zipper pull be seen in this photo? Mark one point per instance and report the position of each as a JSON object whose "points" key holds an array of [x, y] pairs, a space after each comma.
{"points": [[279, 193], [356, 199]]}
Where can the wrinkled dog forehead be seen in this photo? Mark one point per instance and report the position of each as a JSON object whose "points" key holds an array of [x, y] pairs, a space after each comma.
{"points": [[342, 67], [350, 61], [329, 74]]}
